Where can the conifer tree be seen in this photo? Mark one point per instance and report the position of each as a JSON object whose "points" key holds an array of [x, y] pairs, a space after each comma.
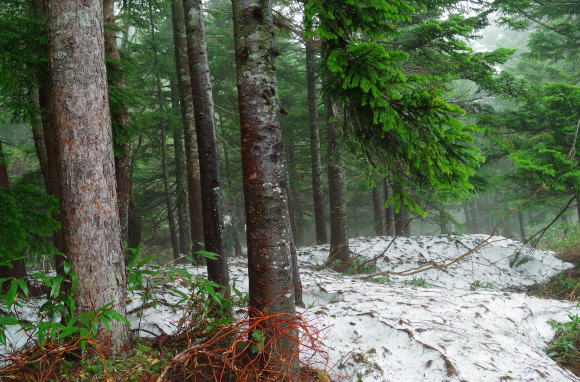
{"points": [[269, 258], [80, 112]]}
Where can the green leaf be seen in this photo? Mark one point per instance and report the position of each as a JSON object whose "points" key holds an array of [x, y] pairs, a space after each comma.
{"points": [[66, 267], [56, 283], [118, 317], [11, 294], [208, 287], [208, 255], [8, 320]]}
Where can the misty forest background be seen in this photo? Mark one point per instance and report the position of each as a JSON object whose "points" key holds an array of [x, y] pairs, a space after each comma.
{"points": [[396, 118]]}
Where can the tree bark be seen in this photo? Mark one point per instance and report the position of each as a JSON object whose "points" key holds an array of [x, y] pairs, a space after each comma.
{"points": [[401, 222], [180, 178], [188, 119], [120, 119], [268, 232], [339, 257], [82, 122], [318, 195], [378, 211], [390, 226], [211, 193]]}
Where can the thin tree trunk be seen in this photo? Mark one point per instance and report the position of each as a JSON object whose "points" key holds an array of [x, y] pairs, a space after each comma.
{"points": [[400, 221], [37, 133], [188, 119], [120, 119], [211, 193], [18, 267], [235, 201], [389, 210], [318, 196], [522, 225], [50, 172], [443, 223], [269, 257], [135, 226], [475, 217], [378, 211], [339, 257], [578, 208], [466, 212], [163, 139], [180, 178], [86, 162], [290, 197], [167, 189]]}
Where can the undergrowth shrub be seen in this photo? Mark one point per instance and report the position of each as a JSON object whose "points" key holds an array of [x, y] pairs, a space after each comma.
{"points": [[564, 346]]}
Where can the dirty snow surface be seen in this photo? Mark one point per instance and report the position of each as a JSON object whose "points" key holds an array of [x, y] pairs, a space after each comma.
{"points": [[463, 322]]}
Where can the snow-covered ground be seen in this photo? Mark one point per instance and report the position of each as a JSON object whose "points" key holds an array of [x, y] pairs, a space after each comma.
{"points": [[456, 323]]}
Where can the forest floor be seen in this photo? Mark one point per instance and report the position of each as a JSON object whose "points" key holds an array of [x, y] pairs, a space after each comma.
{"points": [[444, 308]]}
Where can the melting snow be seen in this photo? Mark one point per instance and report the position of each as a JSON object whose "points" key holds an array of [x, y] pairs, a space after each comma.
{"points": [[396, 331]]}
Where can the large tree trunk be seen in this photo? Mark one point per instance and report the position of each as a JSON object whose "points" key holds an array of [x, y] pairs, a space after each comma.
{"points": [[163, 140], [318, 196], [378, 211], [120, 119], [50, 170], [180, 178], [82, 122], [17, 268], [188, 119], [390, 226], [268, 232], [211, 193], [339, 257]]}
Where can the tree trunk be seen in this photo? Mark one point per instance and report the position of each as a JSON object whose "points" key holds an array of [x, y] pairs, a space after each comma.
{"points": [[37, 133], [163, 139], [389, 210], [188, 119], [378, 211], [86, 162], [120, 119], [444, 230], [211, 193], [235, 201], [268, 232], [400, 221], [467, 213], [318, 196], [522, 225], [167, 189], [292, 212], [180, 178], [339, 257], [475, 217], [50, 171], [18, 268]]}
